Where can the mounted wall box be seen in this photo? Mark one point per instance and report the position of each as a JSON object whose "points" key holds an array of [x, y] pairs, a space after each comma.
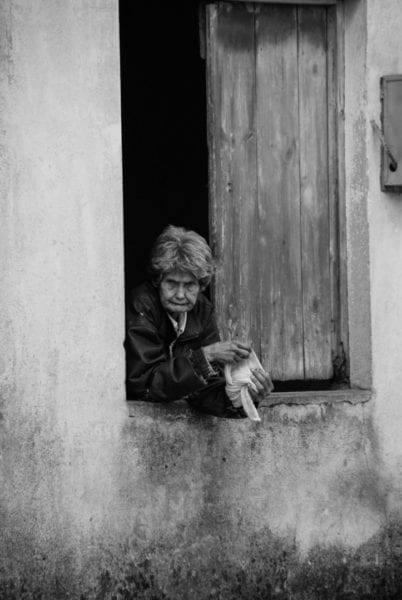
{"points": [[391, 163]]}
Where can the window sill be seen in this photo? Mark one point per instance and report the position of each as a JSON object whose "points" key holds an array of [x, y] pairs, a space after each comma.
{"points": [[350, 396]]}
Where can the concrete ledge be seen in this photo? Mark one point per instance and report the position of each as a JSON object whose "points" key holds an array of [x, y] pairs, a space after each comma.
{"points": [[351, 396]]}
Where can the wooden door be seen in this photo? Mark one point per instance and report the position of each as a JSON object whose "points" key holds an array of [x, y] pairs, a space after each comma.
{"points": [[272, 143]]}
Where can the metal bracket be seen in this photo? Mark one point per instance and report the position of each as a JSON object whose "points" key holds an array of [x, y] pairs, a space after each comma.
{"points": [[392, 159]]}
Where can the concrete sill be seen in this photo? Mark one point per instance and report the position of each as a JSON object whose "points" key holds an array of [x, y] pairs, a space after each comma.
{"points": [[351, 396]]}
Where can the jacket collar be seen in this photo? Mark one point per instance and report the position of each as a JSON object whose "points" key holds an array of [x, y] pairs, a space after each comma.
{"points": [[180, 325], [192, 329], [193, 326]]}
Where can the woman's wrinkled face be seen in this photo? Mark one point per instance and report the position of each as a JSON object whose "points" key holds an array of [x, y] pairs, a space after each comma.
{"points": [[178, 292]]}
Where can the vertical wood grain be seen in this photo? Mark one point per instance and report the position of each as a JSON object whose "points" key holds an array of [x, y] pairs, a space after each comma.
{"points": [[315, 212], [233, 177], [333, 180], [305, 2], [279, 192], [274, 182], [340, 91]]}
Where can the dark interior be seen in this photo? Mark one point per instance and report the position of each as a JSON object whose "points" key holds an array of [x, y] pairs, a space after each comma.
{"points": [[164, 125]]}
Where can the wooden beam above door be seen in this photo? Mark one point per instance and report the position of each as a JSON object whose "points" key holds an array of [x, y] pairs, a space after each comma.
{"points": [[316, 2]]}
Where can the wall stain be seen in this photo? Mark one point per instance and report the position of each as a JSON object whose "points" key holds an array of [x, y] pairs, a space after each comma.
{"points": [[268, 568]]}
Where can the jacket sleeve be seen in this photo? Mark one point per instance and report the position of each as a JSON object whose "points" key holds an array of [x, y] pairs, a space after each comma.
{"points": [[211, 398], [152, 374]]}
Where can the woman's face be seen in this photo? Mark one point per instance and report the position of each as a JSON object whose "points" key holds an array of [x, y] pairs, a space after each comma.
{"points": [[178, 292]]}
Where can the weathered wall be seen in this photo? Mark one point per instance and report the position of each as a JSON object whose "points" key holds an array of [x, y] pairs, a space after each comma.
{"points": [[167, 504], [356, 185], [61, 272], [385, 216]]}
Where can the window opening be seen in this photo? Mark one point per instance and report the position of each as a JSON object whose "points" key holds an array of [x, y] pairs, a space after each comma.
{"points": [[165, 157]]}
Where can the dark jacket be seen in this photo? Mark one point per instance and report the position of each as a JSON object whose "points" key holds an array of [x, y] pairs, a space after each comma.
{"points": [[162, 367]]}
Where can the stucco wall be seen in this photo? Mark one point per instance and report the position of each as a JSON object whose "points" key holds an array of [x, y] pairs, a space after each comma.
{"points": [[385, 216], [167, 504], [61, 273]]}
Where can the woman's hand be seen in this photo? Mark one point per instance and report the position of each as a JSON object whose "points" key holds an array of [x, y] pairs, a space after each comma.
{"points": [[261, 385], [226, 352]]}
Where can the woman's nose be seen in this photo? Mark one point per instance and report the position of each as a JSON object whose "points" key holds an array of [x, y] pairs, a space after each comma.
{"points": [[180, 291]]}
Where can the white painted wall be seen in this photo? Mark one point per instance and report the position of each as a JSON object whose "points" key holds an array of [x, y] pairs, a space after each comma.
{"points": [[356, 183], [61, 268], [384, 57]]}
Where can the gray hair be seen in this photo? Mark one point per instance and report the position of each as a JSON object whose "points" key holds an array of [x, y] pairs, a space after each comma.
{"points": [[183, 250]]}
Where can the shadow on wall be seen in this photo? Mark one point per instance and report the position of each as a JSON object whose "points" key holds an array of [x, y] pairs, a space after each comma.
{"points": [[268, 568]]}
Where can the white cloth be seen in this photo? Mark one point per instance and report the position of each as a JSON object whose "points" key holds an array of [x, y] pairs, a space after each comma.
{"points": [[238, 379]]}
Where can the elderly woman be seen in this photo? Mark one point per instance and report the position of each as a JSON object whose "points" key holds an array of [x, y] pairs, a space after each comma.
{"points": [[173, 345]]}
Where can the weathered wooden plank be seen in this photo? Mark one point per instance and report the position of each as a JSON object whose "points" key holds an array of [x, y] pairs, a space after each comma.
{"points": [[315, 213], [283, 235], [333, 180], [233, 177], [279, 192], [316, 2], [342, 261]]}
